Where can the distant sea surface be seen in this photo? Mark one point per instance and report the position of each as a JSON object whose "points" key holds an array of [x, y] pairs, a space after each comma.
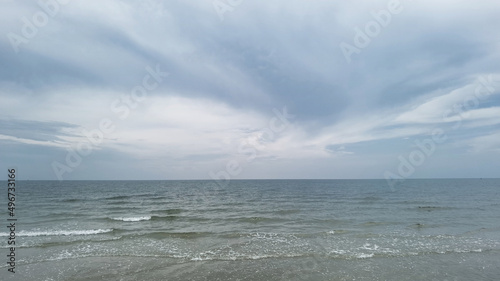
{"points": [[446, 229]]}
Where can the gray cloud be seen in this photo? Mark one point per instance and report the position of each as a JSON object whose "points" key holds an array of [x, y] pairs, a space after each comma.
{"points": [[227, 76], [36, 130]]}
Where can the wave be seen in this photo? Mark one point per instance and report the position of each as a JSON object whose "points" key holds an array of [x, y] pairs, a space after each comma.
{"points": [[132, 219], [149, 218], [118, 202], [375, 223], [169, 211], [125, 207], [254, 246], [369, 199], [287, 212], [65, 215], [258, 219], [313, 259], [48, 243], [209, 256], [71, 200], [434, 208], [181, 235], [120, 197], [59, 232], [127, 197]]}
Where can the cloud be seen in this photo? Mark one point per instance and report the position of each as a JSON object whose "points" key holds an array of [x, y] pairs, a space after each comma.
{"points": [[35, 132], [486, 143], [419, 73]]}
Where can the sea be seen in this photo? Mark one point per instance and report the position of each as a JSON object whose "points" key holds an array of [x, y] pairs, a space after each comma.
{"points": [[422, 229]]}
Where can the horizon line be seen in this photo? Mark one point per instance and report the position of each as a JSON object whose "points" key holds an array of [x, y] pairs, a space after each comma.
{"points": [[444, 178]]}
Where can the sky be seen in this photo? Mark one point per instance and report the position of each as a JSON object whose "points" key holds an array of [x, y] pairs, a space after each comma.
{"points": [[240, 89]]}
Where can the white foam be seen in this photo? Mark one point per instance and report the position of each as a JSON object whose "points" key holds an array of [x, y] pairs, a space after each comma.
{"points": [[338, 252], [143, 218], [364, 256], [59, 232], [238, 256]]}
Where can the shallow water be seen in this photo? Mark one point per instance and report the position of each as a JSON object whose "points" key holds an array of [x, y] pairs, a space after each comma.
{"points": [[257, 230]]}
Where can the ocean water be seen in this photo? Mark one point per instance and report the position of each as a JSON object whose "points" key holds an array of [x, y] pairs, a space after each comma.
{"points": [[447, 229]]}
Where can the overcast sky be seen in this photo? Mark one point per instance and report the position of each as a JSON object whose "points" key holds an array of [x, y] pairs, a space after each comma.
{"points": [[249, 89]]}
